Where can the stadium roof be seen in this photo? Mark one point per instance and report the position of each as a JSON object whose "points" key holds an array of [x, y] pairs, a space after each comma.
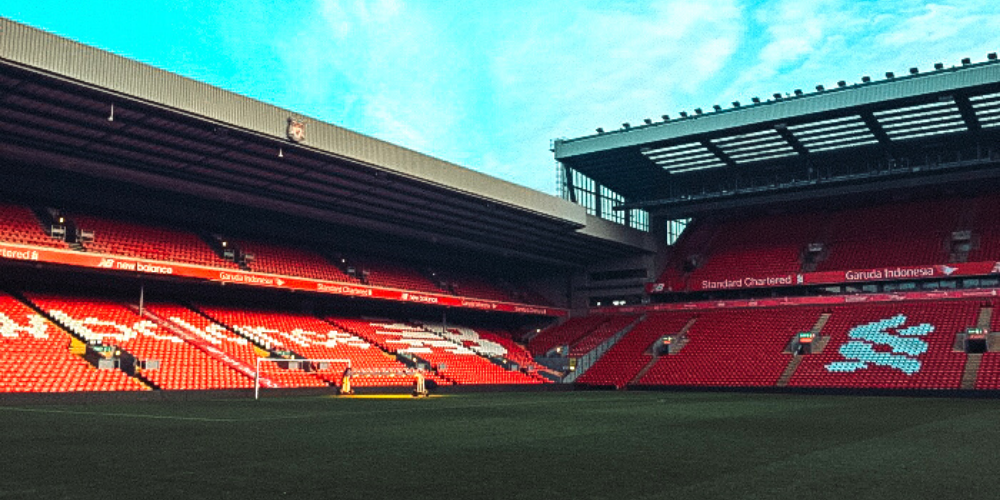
{"points": [[877, 119], [71, 107]]}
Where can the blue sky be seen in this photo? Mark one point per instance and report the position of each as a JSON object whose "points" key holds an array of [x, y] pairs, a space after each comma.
{"points": [[488, 84]]}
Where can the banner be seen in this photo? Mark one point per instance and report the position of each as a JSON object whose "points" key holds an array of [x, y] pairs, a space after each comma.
{"points": [[838, 277], [27, 253], [802, 301]]}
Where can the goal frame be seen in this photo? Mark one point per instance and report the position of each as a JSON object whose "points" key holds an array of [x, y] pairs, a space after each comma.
{"points": [[256, 374]]}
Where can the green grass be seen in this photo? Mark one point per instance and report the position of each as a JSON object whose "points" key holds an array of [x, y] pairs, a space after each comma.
{"points": [[585, 445]]}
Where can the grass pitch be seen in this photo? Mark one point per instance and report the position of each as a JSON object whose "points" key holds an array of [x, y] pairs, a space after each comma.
{"points": [[586, 445]]}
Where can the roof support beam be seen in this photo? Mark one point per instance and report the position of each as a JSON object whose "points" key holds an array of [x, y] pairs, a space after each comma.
{"points": [[782, 130], [718, 152], [968, 114], [876, 129]]}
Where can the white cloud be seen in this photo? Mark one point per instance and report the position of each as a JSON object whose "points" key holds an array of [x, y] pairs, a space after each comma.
{"points": [[488, 85]]}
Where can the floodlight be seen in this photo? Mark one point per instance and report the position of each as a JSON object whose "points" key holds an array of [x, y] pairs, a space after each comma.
{"points": [[736, 104], [648, 121], [966, 61], [914, 71], [626, 125], [820, 88], [756, 100], [600, 130], [798, 91], [866, 79], [717, 107], [841, 84], [697, 111], [890, 74], [938, 66]]}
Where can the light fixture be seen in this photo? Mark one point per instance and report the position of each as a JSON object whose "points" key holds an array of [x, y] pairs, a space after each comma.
{"points": [[736, 104], [697, 111], [600, 130], [820, 88], [684, 114], [281, 153], [626, 125], [755, 100], [890, 75], [841, 84], [717, 107], [776, 96], [992, 56], [666, 118], [938, 66], [914, 71], [866, 79], [648, 121], [111, 117], [798, 91], [966, 61]]}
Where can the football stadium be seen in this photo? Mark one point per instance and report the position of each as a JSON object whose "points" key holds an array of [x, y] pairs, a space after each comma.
{"points": [[207, 296]]}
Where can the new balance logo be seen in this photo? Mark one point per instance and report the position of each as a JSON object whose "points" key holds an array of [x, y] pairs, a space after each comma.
{"points": [[107, 263], [905, 346]]}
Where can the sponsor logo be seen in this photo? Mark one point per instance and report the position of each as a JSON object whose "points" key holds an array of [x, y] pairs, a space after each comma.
{"points": [[476, 304], [424, 299], [748, 282], [107, 263], [530, 310], [870, 341], [996, 268], [658, 287], [8, 253], [344, 290], [891, 273], [246, 278], [947, 270]]}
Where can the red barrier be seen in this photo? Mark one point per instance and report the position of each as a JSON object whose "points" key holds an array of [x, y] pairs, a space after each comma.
{"points": [[840, 277]]}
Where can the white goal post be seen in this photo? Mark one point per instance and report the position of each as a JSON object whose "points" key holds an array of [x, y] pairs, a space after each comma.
{"points": [[308, 361]]}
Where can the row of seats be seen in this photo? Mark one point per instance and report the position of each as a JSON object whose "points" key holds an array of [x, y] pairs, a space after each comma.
{"points": [[453, 361], [148, 241], [903, 234], [907, 345], [35, 356], [565, 333], [19, 225]]}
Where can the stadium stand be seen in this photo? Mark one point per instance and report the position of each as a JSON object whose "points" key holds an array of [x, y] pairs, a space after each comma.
{"points": [[36, 356], [733, 347], [864, 353], [289, 261], [624, 361], [180, 365], [564, 334], [608, 329], [452, 361], [148, 242], [19, 225], [385, 273]]}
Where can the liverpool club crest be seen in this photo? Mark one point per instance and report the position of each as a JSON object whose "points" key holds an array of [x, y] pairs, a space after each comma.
{"points": [[296, 130]]}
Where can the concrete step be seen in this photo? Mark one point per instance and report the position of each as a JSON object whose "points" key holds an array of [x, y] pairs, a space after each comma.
{"points": [[971, 371], [786, 375]]}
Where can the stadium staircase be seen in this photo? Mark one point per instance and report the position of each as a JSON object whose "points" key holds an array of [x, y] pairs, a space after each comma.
{"points": [[594, 355], [681, 340], [818, 346]]}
